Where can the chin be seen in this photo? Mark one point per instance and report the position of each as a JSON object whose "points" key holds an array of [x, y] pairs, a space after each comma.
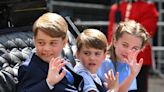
{"points": [[46, 59]]}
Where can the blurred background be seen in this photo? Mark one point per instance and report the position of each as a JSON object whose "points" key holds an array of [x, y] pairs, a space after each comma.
{"points": [[84, 14]]}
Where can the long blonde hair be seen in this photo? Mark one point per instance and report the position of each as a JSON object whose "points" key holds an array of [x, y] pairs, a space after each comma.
{"points": [[131, 27]]}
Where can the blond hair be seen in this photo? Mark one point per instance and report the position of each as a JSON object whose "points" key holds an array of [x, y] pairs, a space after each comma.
{"points": [[52, 24], [92, 38], [131, 27]]}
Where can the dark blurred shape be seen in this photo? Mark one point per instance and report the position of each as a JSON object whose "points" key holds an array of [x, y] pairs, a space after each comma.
{"points": [[14, 13], [27, 11]]}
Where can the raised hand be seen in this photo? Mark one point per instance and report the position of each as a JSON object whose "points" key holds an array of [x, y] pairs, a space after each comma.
{"points": [[133, 64], [55, 66], [111, 81]]}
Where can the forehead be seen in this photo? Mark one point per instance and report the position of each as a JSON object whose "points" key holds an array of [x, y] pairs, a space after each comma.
{"points": [[43, 36], [130, 39], [91, 49]]}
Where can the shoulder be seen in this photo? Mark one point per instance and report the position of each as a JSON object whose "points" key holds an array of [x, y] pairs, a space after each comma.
{"points": [[79, 67], [114, 7], [146, 5], [28, 60], [107, 63], [105, 67], [25, 64]]}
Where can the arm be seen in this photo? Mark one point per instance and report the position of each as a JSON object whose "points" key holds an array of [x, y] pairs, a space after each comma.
{"points": [[55, 66], [111, 81], [89, 85], [28, 84], [30, 81], [135, 69]]}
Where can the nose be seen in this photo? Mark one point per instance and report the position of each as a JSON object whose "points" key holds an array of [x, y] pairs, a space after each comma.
{"points": [[127, 50], [47, 47], [92, 56]]}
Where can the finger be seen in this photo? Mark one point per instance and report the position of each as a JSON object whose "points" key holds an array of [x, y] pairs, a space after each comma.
{"points": [[62, 74], [50, 63], [132, 55], [112, 75], [106, 76], [52, 66], [126, 61], [117, 76], [135, 57], [105, 84], [57, 61], [140, 62], [62, 64]]}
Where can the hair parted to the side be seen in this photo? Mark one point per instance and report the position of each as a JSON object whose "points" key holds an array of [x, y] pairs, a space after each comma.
{"points": [[52, 24], [92, 38], [131, 27]]}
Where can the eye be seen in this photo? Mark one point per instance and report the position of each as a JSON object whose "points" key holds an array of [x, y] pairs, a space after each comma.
{"points": [[40, 43], [135, 49], [87, 53], [53, 43], [125, 45], [98, 53]]}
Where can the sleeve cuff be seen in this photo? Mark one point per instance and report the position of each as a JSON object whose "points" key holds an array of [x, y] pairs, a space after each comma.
{"points": [[112, 90], [50, 86]]}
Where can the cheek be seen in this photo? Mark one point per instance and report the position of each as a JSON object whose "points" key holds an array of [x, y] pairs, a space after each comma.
{"points": [[119, 49], [100, 63], [38, 49], [100, 59], [84, 60], [56, 50], [118, 52]]}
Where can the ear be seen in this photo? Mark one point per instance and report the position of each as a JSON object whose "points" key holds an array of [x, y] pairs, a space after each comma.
{"points": [[65, 41], [34, 40], [77, 54]]}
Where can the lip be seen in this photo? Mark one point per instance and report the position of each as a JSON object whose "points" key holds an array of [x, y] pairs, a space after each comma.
{"points": [[91, 64], [125, 56], [47, 55]]}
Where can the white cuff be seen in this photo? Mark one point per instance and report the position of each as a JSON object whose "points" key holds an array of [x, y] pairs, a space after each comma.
{"points": [[50, 86], [111, 90]]}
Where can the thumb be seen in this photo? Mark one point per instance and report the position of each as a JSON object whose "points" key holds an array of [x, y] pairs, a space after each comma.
{"points": [[105, 84]]}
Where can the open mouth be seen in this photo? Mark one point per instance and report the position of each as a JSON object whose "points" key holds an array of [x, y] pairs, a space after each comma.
{"points": [[92, 64]]}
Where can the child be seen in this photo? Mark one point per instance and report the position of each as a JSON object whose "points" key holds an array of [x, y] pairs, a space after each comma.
{"points": [[128, 40], [91, 52], [147, 15], [45, 70]]}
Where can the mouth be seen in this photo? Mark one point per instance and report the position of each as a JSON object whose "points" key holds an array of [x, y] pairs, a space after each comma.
{"points": [[46, 55], [92, 64], [125, 56]]}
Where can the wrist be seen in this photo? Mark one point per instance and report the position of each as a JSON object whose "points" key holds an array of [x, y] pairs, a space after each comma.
{"points": [[49, 82], [111, 90], [132, 75], [49, 85]]}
